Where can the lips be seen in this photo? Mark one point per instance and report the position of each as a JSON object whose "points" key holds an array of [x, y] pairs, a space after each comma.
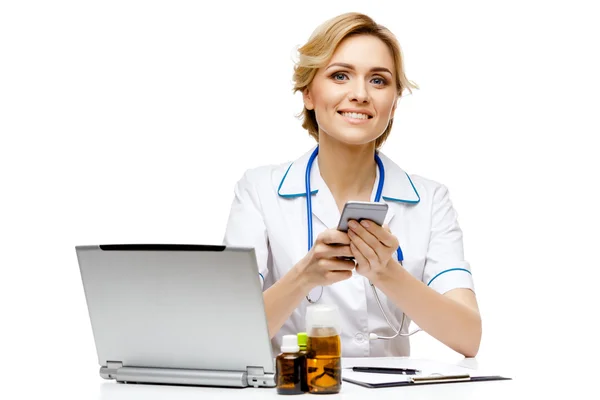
{"points": [[355, 118], [356, 111], [355, 115]]}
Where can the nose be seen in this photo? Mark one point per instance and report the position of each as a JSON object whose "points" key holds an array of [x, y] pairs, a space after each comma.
{"points": [[358, 92]]}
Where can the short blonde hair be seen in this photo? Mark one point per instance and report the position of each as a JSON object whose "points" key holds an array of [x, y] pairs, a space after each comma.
{"points": [[320, 48]]}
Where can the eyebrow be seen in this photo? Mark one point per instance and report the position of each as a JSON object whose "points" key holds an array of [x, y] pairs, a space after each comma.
{"points": [[349, 66]]}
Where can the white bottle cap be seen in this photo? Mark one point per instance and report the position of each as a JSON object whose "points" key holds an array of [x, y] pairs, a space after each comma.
{"points": [[323, 316], [290, 344]]}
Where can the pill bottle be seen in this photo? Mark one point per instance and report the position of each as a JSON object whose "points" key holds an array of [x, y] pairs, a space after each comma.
{"points": [[289, 367], [324, 347]]}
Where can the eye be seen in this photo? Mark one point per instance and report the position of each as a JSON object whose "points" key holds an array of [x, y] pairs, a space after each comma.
{"points": [[379, 81], [339, 76]]}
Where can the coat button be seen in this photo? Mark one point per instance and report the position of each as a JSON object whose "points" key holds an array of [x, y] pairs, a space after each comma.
{"points": [[359, 338]]}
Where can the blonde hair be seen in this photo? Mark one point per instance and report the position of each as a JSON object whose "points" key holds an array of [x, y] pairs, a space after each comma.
{"points": [[320, 48]]}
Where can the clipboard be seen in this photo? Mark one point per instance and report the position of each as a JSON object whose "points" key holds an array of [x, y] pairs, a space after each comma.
{"points": [[426, 380]]}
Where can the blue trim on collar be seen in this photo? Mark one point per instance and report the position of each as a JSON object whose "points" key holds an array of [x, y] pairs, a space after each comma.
{"points": [[289, 196], [406, 201]]}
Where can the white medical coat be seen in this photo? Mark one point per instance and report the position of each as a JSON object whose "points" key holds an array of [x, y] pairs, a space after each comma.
{"points": [[269, 214]]}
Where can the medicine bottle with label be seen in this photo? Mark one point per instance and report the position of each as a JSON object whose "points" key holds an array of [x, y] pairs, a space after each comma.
{"points": [[289, 367], [323, 361]]}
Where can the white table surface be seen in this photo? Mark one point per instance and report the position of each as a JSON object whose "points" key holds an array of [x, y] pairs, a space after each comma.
{"points": [[85, 383], [98, 388], [533, 377]]}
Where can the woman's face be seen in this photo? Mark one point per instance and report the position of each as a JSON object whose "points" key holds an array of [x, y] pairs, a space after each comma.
{"points": [[354, 95]]}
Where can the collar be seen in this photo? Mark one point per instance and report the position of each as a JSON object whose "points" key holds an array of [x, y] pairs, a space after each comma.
{"points": [[397, 185]]}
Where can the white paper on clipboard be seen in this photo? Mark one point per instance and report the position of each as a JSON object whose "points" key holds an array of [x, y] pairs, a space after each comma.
{"points": [[427, 368]]}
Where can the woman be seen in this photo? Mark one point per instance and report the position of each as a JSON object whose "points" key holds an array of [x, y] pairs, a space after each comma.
{"points": [[351, 76]]}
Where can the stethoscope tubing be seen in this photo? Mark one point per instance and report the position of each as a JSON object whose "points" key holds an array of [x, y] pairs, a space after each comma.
{"points": [[310, 239], [309, 203]]}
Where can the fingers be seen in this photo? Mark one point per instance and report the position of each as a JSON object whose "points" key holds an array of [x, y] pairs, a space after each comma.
{"points": [[323, 250], [332, 243], [363, 250], [332, 264], [337, 276], [333, 236], [358, 256], [337, 270], [373, 234]]}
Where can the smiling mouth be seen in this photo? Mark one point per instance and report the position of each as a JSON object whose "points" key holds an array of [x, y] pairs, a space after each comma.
{"points": [[355, 115]]}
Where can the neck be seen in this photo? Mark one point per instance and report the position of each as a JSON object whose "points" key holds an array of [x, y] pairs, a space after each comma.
{"points": [[348, 171]]}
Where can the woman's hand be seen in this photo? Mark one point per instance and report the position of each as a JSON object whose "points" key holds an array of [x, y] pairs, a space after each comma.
{"points": [[372, 247], [321, 265]]}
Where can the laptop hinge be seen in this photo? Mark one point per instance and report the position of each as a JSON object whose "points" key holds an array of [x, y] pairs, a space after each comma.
{"points": [[257, 377], [110, 370], [179, 376], [254, 376]]}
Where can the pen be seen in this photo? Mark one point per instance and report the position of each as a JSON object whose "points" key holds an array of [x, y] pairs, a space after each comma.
{"points": [[383, 370]]}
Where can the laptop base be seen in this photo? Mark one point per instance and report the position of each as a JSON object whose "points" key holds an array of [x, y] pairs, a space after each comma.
{"points": [[253, 376]]}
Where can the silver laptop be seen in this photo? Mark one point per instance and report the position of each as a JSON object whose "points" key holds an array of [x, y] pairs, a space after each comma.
{"points": [[177, 314]]}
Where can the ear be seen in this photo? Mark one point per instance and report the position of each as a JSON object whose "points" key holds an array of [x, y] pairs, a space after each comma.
{"points": [[307, 98]]}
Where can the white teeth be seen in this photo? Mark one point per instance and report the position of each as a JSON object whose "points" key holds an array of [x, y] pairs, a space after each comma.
{"points": [[355, 115]]}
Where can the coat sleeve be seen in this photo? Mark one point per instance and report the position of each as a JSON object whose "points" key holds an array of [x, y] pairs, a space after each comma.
{"points": [[245, 225], [445, 266]]}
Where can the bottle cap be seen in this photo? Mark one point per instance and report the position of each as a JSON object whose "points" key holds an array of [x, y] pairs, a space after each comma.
{"points": [[289, 344], [302, 340], [323, 316]]}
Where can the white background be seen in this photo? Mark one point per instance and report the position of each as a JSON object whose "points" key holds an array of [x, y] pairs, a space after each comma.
{"points": [[131, 121]]}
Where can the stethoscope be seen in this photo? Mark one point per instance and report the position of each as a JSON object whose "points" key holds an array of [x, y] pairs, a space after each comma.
{"points": [[372, 336]]}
